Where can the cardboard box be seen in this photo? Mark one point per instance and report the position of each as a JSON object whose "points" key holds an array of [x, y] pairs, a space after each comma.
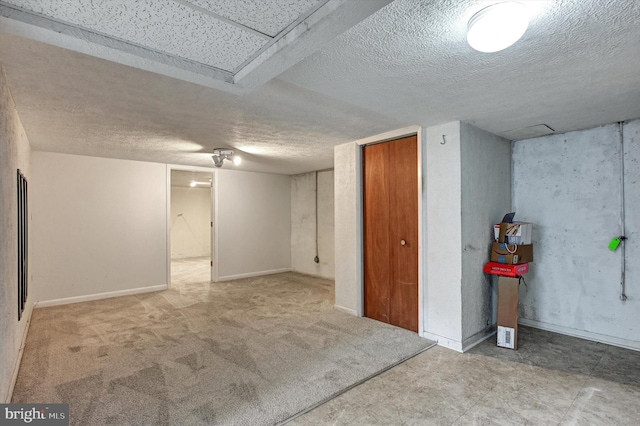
{"points": [[496, 268], [511, 254], [515, 233], [508, 290]]}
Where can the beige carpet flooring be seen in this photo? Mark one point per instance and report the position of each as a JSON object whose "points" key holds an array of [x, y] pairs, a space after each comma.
{"points": [[247, 352]]}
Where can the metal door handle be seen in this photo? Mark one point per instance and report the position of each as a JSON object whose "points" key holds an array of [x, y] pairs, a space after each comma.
{"points": [[402, 242]]}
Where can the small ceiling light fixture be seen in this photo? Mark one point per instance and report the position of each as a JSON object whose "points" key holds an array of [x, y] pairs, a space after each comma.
{"points": [[221, 154], [497, 27]]}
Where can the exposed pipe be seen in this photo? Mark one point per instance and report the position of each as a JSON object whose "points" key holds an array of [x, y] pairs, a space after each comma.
{"points": [[623, 293]]}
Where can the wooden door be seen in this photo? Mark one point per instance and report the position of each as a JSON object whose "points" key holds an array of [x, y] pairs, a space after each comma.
{"points": [[391, 232]]}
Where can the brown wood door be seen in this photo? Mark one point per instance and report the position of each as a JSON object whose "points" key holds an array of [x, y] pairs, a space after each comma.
{"points": [[391, 232]]}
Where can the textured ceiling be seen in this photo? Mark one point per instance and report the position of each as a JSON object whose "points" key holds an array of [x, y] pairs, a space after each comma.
{"points": [[163, 26], [577, 66], [73, 103], [217, 43], [269, 17]]}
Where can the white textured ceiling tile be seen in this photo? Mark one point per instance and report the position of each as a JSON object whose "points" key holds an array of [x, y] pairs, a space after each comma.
{"points": [[77, 104], [163, 26], [266, 16], [577, 65]]}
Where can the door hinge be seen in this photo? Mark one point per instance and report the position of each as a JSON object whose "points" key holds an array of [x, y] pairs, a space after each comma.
{"points": [[211, 224], [212, 263]]}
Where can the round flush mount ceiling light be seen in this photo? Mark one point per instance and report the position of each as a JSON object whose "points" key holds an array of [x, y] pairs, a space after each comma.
{"points": [[497, 27]]}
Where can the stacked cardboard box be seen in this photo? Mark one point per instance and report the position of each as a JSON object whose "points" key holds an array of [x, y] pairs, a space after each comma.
{"points": [[513, 243], [512, 246]]}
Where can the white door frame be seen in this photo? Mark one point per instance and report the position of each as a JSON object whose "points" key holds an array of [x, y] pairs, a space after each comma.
{"points": [[214, 228], [386, 137]]}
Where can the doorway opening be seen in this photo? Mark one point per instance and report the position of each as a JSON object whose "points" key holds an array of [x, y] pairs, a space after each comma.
{"points": [[190, 226]]}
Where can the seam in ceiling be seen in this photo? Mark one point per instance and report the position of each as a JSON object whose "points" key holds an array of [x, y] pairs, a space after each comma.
{"points": [[280, 35], [18, 13], [53, 24], [222, 18]]}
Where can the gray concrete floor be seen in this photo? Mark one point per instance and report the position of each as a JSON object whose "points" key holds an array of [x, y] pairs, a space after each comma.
{"points": [[550, 380]]}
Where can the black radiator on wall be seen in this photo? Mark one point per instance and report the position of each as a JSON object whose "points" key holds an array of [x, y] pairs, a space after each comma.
{"points": [[23, 244]]}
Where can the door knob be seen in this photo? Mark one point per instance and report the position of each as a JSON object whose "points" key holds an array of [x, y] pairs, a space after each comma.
{"points": [[402, 242]]}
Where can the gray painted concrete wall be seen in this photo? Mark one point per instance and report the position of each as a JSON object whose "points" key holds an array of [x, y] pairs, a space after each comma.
{"points": [[631, 133], [348, 228], [486, 197], [15, 153], [569, 186], [303, 224]]}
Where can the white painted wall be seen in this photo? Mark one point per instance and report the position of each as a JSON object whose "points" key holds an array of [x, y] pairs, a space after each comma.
{"points": [[190, 222], [15, 153], [303, 224], [569, 186], [99, 226], [253, 216], [348, 228], [486, 197], [443, 259]]}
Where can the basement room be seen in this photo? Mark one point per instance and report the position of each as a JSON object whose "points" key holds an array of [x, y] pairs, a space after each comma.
{"points": [[320, 212]]}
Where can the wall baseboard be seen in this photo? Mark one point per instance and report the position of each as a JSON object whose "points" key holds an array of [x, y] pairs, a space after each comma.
{"points": [[348, 311], [16, 367], [98, 296], [444, 341], [253, 274], [478, 338], [596, 337]]}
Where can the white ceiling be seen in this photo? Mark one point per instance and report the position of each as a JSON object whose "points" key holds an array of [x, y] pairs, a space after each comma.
{"points": [[577, 66], [229, 45]]}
